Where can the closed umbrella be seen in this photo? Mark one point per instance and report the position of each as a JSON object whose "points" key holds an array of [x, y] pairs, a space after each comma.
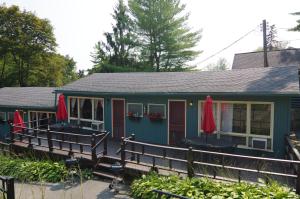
{"points": [[18, 122], [61, 113], [208, 123]]}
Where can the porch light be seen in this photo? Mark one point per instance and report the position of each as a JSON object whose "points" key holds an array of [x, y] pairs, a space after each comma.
{"points": [[191, 103]]}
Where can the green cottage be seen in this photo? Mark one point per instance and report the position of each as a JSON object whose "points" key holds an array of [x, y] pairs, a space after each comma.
{"points": [[251, 106], [33, 103]]}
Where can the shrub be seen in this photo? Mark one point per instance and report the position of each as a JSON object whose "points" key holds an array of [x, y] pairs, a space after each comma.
{"points": [[206, 188], [30, 170]]}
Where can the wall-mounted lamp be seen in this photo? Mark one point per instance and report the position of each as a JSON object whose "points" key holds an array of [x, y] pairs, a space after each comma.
{"points": [[191, 103]]}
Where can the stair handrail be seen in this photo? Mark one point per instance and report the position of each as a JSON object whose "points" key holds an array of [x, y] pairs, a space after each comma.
{"points": [[102, 139]]}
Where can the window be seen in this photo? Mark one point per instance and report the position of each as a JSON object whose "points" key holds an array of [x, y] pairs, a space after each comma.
{"points": [[73, 107], [2, 116], [245, 122], [260, 119], [39, 119], [86, 108], [135, 109], [87, 112], [157, 109], [10, 116], [233, 118]]}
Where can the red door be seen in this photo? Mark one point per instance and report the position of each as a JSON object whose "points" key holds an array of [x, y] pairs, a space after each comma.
{"points": [[118, 118], [176, 122]]}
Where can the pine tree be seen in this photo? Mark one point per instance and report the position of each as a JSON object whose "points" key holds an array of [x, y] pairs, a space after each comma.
{"points": [[166, 42], [117, 53]]}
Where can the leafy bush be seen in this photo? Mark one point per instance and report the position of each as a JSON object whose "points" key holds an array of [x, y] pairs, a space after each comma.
{"points": [[30, 170], [206, 188]]}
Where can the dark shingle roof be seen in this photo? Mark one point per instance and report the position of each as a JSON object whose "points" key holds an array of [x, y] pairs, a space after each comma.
{"points": [[286, 57], [27, 97], [279, 80]]}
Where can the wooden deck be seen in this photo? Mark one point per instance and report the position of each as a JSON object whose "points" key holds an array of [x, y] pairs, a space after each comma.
{"points": [[137, 158]]}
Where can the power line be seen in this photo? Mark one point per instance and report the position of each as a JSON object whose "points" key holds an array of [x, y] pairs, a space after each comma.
{"points": [[225, 48]]}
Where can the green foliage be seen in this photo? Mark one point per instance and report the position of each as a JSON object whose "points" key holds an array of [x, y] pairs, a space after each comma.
{"points": [[117, 53], [29, 170], [27, 51], [206, 188], [165, 40], [221, 64], [297, 27]]}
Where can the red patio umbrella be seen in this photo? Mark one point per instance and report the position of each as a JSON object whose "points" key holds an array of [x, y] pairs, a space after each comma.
{"points": [[208, 123], [61, 113], [18, 122]]}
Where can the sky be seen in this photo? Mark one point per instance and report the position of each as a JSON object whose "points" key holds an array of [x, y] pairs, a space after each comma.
{"points": [[79, 24]]}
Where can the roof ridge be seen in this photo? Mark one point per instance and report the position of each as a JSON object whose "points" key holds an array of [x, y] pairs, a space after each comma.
{"points": [[270, 51]]}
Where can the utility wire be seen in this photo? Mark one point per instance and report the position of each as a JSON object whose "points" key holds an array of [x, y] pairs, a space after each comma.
{"points": [[225, 48]]}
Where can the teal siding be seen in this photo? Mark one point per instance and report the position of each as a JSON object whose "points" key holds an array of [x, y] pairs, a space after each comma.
{"points": [[4, 128], [157, 132]]}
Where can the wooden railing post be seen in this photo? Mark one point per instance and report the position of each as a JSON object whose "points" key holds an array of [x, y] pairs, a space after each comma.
{"points": [[190, 160], [132, 158], [93, 144], [11, 133], [298, 179], [123, 153], [10, 186], [49, 138], [105, 144]]}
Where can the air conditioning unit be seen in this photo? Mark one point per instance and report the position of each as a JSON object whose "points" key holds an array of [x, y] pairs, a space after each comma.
{"points": [[259, 143], [95, 126]]}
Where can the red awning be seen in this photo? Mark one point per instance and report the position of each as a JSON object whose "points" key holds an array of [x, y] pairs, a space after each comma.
{"points": [[18, 122], [61, 113], [208, 123]]}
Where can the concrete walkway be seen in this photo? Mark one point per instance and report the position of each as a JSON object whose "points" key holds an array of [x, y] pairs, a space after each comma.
{"points": [[91, 189]]}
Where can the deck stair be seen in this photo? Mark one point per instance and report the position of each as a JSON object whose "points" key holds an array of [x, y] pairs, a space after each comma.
{"points": [[103, 168]]}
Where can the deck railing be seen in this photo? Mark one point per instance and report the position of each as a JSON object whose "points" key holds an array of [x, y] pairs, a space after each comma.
{"points": [[72, 143], [129, 146], [7, 189]]}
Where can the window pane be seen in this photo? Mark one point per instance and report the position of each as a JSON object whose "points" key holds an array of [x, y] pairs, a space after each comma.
{"points": [[86, 108], [260, 119], [135, 110], [10, 116], [157, 109], [233, 117], [98, 109], [43, 121], [2, 116], [73, 107]]}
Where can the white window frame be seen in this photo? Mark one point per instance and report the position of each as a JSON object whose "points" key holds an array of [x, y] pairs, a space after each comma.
{"points": [[93, 121], [142, 108], [165, 109], [4, 114], [7, 115], [248, 122], [37, 116]]}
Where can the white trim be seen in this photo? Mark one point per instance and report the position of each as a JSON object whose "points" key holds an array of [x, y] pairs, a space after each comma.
{"points": [[142, 108], [165, 111], [247, 134], [93, 109], [112, 116], [185, 110], [37, 116]]}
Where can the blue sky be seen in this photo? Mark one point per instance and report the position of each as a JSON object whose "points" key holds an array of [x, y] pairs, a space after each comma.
{"points": [[79, 24]]}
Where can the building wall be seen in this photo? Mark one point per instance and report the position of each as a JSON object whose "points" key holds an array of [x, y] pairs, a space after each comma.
{"points": [[4, 127], [157, 132]]}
